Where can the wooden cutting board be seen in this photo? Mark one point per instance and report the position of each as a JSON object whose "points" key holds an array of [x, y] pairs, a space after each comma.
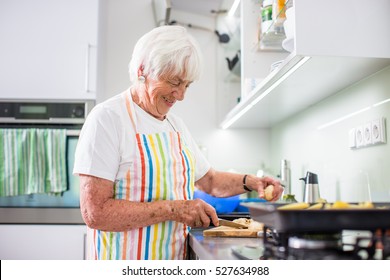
{"points": [[224, 231]]}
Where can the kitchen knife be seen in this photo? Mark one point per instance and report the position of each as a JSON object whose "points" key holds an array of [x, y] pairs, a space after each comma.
{"points": [[223, 222]]}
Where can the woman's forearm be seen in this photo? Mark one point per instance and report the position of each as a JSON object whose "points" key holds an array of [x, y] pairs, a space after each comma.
{"points": [[224, 184], [101, 211]]}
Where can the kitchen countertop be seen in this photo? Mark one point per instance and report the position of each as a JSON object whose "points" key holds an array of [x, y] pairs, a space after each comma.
{"points": [[219, 248]]}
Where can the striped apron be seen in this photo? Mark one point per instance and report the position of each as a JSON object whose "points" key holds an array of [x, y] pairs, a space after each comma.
{"points": [[162, 170]]}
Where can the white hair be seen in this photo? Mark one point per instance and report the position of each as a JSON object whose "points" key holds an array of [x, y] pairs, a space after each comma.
{"points": [[166, 52]]}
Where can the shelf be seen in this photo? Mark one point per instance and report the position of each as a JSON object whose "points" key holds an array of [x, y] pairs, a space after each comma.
{"points": [[272, 38], [324, 61], [272, 41], [297, 84]]}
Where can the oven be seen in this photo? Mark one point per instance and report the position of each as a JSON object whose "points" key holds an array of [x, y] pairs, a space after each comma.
{"points": [[45, 114]]}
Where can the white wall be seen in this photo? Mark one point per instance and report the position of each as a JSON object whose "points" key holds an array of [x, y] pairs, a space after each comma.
{"points": [[344, 173], [123, 22]]}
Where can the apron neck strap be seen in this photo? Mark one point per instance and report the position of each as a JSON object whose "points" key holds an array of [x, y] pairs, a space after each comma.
{"points": [[130, 109]]}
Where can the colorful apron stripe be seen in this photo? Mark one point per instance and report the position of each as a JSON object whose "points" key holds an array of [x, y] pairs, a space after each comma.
{"points": [[129, 110]]}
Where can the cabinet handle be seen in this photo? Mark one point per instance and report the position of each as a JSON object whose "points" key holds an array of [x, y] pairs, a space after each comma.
{"points": [[87, 69], [85, 247]]}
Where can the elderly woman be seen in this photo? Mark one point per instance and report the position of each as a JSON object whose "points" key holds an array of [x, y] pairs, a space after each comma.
{"points": [[138, 164]]}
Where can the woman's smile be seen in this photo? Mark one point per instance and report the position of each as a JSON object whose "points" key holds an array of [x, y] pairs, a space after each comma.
{"points": [[168, 101]]}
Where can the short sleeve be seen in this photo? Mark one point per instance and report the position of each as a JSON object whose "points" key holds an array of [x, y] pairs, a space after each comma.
{"points": [[97, 151]]}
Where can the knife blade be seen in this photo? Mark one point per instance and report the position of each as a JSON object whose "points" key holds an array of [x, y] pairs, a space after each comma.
{"points": [[223, 222]]}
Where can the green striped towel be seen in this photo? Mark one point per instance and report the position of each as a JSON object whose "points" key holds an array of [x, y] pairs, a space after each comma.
{"points": [[32, 161]]}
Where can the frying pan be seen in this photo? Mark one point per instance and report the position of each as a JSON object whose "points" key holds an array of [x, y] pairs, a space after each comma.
{"points": [[324, 220]]}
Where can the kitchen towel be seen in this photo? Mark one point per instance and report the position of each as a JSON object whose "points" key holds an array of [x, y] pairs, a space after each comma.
{"points": [[33, 160]]}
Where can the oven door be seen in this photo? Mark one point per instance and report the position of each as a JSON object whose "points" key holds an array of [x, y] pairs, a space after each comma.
{"points": [[69, 199]]}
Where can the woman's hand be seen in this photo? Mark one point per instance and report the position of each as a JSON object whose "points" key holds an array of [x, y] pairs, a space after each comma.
{"points": [[194, 213], [261, 184]]}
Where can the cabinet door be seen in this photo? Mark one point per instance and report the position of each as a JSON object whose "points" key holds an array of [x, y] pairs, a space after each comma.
{"points": [[48, 49], [42, 242]]}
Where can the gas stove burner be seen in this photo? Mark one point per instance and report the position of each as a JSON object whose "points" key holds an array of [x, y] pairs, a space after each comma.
{"points": [[317, 246], [323, 254], [313, 244], [343, 245]]}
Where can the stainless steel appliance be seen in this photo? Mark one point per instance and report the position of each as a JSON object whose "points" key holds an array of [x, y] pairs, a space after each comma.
{"points": [[311, 191], [285, 176], [69, 115]]}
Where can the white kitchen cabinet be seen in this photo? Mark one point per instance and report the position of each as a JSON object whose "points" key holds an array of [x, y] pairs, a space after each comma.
{"points": [[337, 43], [42, 242], [48, 49]]}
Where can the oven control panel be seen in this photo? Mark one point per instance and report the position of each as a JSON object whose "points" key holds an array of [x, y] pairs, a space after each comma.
{"points": [[21, 111]]}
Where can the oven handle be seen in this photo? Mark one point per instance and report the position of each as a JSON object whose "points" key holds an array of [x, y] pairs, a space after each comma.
{"points": [[73, 132], [43, 121], [67, 120]]}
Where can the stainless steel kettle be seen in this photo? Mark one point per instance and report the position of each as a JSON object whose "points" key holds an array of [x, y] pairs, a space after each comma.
{"points": [[311, 191]]}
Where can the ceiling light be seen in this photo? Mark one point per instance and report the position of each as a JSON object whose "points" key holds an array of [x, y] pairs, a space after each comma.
{"points": [[229, 122]]}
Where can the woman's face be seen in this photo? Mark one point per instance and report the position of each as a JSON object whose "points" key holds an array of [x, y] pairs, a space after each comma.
{"points": [[160, 96]]}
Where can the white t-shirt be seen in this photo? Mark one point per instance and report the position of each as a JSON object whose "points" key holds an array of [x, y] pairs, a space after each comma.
{"points": [[107, 142]]}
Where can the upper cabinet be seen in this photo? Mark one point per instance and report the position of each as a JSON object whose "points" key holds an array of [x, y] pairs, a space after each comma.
{"points": [[336, 44], [48, 49]]}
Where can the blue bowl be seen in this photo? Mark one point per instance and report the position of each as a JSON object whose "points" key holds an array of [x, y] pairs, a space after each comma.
{"points": [[222, 205], [241, 208]]}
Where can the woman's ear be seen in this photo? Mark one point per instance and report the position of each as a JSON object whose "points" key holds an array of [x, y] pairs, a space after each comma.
{"points": [[141, 77]]}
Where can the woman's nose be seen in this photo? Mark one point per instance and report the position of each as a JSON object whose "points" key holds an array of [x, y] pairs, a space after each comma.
{"points": [[179, 93]]}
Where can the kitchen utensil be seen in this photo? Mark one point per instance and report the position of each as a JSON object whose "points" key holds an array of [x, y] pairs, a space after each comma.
{"points": [[311, 190], [227, 223], [326, 220], [223, 38], [234, 64]]}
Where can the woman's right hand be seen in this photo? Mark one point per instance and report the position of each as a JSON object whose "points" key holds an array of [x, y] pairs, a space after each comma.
{"points": [[195, 213]]}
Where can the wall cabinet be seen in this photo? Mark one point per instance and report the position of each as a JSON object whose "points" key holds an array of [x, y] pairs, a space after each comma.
{"points": [[335, 47], [48, 49], [42, 242]]}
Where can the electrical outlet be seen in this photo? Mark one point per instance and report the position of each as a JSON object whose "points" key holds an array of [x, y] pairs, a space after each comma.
{"points": [[379, 131], [359, 137], [352, 138], [367, 134]]}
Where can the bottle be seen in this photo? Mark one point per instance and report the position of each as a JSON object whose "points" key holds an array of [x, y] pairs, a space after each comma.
{"points": [[266, 16], [279, 14], [285, 175]]}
